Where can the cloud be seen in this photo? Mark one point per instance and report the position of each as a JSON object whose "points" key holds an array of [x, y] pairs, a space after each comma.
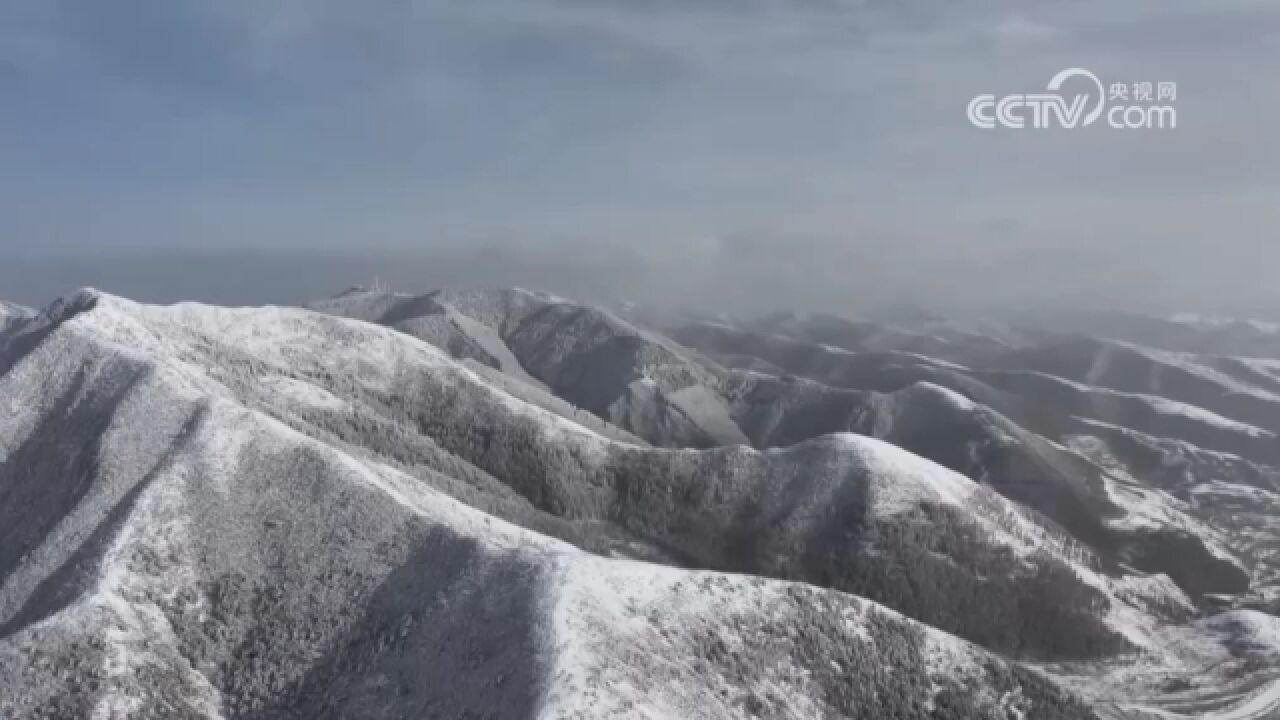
{"points": [[1019, 30], [332, 123]]}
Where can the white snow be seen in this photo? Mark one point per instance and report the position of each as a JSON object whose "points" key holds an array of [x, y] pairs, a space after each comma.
{"points": [[901, 480], [1164, 406], [1261, 704], [10, 312], [1101, 363], [1252, 627], [489, 341], [955, 399], [1262, 366], [702, 405], [1214, 321], [302, 342], [622, 635], [304, 393], [1181, 445], [1195, 365]]}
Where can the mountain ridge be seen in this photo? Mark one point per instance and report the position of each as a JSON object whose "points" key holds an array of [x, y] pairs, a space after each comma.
{"points": [[164, 409], [169, 588]]}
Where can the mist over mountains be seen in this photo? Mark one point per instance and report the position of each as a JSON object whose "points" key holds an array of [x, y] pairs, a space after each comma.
{"points": [[871, 277], [505, 503]]}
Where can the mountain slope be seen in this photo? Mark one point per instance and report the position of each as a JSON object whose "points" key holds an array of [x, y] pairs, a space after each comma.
{"points": [[173, 548], [631, 377], [917, 403], [898, 396], [1160, 461], [11, 314], [1187, 333], [1232, 409], [813, 512], [274, 512]]}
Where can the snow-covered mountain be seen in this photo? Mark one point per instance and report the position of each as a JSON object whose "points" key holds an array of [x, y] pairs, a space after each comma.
{"points": [[1159, 466], [633, 378], [508, 504], [11, 309], [11, 314], [900, 397], [187, 533]]}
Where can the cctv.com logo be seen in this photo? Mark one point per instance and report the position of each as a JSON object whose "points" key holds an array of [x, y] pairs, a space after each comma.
{"points": [[1125, 106]]}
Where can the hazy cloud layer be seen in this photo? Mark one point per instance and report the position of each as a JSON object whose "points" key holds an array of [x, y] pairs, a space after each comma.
{"points": [[819, 145]]}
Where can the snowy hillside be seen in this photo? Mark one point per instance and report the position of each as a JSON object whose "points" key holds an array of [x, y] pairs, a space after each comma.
{"points": [[507, 504], [170, 550], [628, 376], [11, 314], [8, 309]]}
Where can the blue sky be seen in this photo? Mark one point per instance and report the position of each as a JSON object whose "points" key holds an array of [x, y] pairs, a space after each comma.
{"points": [[695, 128]]}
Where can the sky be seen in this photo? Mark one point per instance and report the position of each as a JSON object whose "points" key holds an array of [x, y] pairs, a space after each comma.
{"points": [[751, 151]]}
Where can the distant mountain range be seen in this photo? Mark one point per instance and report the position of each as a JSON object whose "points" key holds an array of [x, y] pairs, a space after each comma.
{"points": [[502, 503]]}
